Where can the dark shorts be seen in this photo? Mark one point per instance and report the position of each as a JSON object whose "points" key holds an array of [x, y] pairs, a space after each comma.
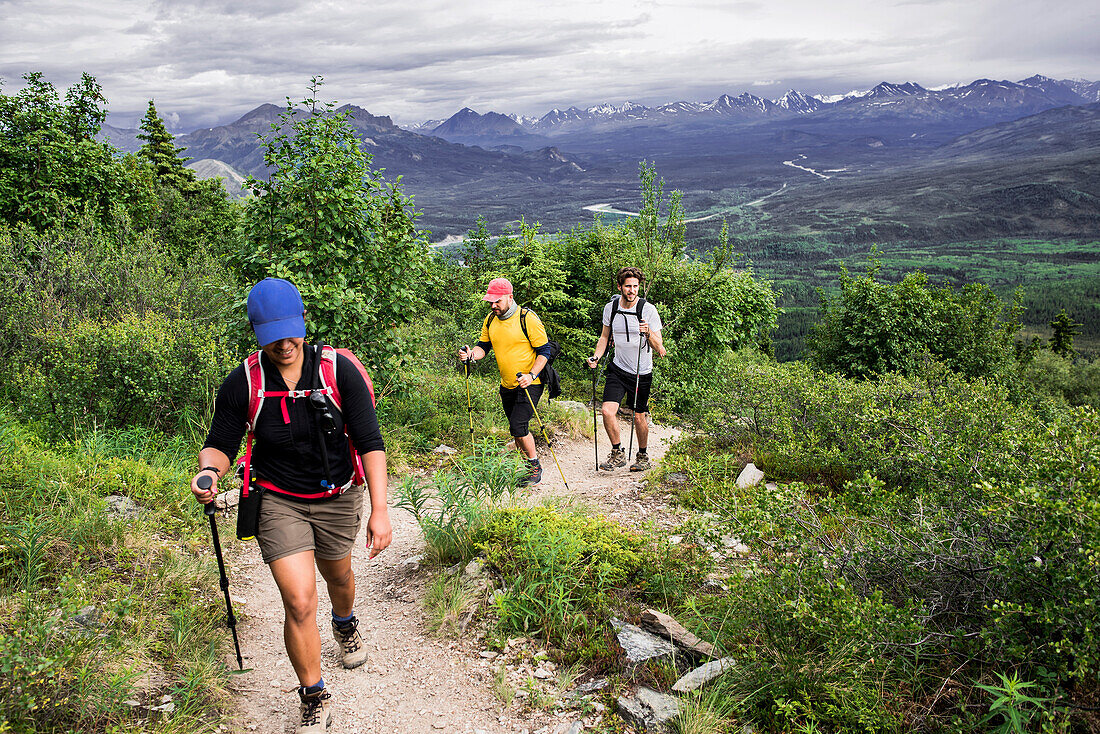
{"points": [[327, 528], [518, 408], [619, 384]]}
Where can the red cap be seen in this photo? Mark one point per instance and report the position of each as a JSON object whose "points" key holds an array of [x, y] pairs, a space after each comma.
{"points": [[497, 287]]}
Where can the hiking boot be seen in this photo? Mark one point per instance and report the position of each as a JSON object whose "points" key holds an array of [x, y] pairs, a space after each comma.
{"points": [[352, 652], [615, 459], [641, 463], [533, 476], [315, 712]]}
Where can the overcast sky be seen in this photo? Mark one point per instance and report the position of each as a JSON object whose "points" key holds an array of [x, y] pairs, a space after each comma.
{"points": [[208, 61]]}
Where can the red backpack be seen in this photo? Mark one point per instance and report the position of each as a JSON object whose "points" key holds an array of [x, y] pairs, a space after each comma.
{"points": [[257, 394]]}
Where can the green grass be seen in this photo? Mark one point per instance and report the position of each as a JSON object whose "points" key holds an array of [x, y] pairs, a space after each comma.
{"points": [[95, 610]]}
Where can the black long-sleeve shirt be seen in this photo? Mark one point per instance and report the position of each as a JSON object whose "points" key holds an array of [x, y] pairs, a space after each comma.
{"points": [[289, 454]]}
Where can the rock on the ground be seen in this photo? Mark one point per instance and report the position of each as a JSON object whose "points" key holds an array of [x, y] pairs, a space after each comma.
{"points": [[444, 449], [666, 626], [573, 406], [702, 675], [88, 617], [229, 498], [676, 478], [750, 476], [639, 645], [735, 546], [649, 710], [567, 727], [475, 568], [122, 506], [412, 563], [596, 684]]}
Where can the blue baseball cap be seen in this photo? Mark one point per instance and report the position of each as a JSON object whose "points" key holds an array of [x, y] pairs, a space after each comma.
{"points": [[275, 311]]}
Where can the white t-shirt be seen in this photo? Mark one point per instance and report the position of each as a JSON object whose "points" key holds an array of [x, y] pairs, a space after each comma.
{"points": [[627, 338]]}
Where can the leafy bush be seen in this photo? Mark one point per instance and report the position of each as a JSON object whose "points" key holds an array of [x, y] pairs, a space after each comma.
{"points": [[52, 168], [109, 327], [145, 370], [1073, 381], [958, 537], [872, 328], [333, 227], [937, 433]]}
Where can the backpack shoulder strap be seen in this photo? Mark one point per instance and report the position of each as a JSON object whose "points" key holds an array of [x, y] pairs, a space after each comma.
{"points": [[641, 305], [523, 323], [614, 308], [254, 375], [326, 370]]}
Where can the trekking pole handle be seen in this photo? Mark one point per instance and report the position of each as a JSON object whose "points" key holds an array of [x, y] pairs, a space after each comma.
{"points": [[205, 482]]}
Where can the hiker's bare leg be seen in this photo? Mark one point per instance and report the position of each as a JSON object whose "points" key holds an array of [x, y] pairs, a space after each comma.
{"points": [[610, 412], [641, 427], [526, 444], [341, 583], [297, 582]]}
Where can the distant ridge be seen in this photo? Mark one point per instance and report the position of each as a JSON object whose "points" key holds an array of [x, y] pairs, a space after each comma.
{"points": [[994, 99]]}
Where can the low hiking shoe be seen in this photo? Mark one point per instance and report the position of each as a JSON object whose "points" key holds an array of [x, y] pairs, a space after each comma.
{"points": [[352, 651], [641, 463], [533, 476], [615, 459], [315, 712]]}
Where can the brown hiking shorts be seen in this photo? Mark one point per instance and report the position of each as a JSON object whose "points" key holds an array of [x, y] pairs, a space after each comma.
{"points": [[327, 528]]}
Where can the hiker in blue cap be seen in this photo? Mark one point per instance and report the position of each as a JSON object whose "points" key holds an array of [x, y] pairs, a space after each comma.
{"points": [[299, 462]]}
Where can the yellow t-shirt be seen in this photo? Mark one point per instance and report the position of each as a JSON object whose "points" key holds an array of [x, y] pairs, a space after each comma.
{"points": [[514, 352]]}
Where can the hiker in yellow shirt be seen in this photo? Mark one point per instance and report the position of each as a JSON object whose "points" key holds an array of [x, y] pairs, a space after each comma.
{"points": [[522, 348]]}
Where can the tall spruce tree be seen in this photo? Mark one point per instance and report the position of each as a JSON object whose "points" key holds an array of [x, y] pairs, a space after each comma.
{"points": [[1064, 329], [161, 151]]}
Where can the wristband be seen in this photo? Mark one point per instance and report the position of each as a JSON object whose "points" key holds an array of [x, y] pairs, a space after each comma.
{"points": [[213, 469]]}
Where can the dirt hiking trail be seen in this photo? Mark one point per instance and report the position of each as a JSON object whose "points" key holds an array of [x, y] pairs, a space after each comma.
{"points": [[412, 682]]}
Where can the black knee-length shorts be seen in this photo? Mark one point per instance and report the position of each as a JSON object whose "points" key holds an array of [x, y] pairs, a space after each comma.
{"points": [[518, 408], [619, 384]]}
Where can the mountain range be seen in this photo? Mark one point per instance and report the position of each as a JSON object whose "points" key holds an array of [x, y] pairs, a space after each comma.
{"points": [[983, 98], [505, 167]]}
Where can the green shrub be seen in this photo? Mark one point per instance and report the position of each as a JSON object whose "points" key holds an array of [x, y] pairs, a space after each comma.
{"points": [[143, 369], [337, 230], [1073, 381], [452, 507], [872, 328], [937, 433], [862, 598], [558, 568]]}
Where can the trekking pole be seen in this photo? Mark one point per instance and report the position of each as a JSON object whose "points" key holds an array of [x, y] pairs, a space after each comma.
{"points": [[205, 482], [634, 407], [544, 433], [595, 431], [469, 405]]}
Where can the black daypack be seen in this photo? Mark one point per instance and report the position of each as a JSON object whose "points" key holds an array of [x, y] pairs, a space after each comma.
{"points": [[549, 376], [637, 313]]}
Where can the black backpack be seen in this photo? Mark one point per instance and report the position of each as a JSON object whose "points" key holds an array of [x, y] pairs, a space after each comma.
{"points": [[549, 376], [637, 313]]}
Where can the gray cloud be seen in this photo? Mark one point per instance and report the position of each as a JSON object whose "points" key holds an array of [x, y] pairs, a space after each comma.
{"points": [[208, 60]]}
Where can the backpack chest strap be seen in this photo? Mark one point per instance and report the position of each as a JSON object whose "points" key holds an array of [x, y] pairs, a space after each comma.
{"points": [[283, 395]]}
